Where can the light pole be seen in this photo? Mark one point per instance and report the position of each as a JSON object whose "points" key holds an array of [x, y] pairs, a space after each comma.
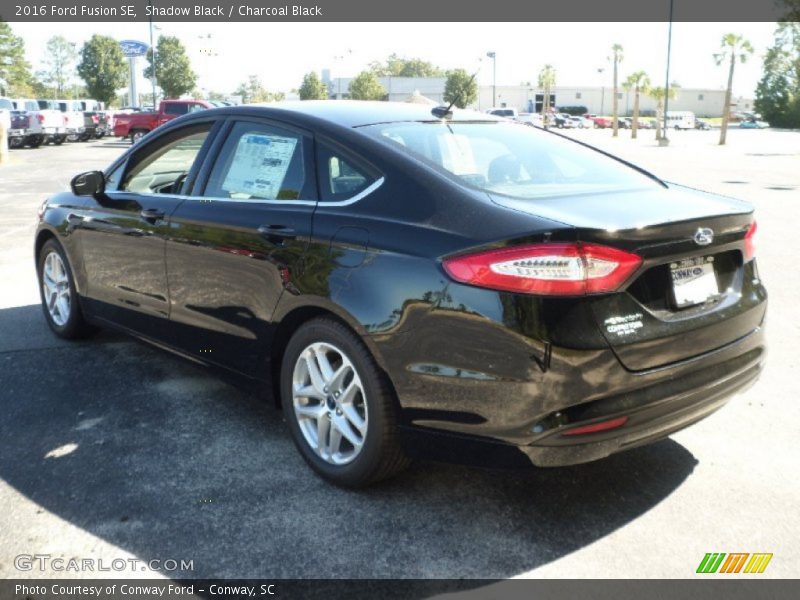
{"points": [[153, 54], [600, 71], [664, 141], [493, 56]]}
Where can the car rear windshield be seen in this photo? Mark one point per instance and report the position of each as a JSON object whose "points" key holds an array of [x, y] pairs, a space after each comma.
{"points": [[511, 158]]}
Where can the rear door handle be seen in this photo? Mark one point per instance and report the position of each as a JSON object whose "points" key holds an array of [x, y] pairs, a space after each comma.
{"points": [[276, 234], [151, 215]]}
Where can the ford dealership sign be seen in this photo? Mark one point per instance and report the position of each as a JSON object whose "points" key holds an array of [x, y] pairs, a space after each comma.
{"points": [[132, 48]]}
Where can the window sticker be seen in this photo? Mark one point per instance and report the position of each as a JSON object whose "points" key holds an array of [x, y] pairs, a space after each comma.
{"points": [[259, 165]]}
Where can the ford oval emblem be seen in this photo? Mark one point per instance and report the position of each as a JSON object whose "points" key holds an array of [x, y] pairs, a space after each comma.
{"points": [[133, 48], [704, 236]]}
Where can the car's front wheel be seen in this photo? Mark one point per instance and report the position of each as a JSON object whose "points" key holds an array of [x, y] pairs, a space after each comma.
{"points": [[59, 298], [339, 405]]}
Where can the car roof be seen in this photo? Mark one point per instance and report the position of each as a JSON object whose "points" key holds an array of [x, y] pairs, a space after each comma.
{"points": [[355, 113]]}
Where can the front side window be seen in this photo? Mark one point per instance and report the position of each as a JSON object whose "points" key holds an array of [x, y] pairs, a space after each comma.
{"points": [[261, 162], [511, 159], [5, 104], [163, 169]]}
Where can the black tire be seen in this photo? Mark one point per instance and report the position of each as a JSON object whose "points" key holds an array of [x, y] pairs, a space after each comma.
{"points": [[59, 139], [381, 455], [75, 327], [36, 141]]}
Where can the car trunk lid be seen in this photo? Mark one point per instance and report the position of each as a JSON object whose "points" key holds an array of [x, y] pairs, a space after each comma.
{"points": [[684, 236]]}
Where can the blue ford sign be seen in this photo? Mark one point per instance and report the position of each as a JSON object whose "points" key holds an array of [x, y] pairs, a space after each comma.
{"points": [[132, 48]]}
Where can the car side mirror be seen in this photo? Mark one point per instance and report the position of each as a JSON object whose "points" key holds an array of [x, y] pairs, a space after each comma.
{"points": [[91, 183]]}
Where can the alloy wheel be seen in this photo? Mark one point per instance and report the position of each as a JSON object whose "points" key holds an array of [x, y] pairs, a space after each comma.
{"points": [[329, 403], [55, 284]]}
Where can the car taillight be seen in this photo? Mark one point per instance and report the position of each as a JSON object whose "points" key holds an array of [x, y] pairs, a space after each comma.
{"points": [[546, 269], [40, 118], [750, 242], [95, 119]]}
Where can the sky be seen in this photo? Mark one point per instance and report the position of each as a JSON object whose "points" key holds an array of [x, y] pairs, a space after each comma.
{"points": [[280, 53]]}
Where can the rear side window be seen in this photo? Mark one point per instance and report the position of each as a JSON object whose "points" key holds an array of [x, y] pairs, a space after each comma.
{"points": [[6, 104], [341, 176], [262, 162], [176, 108]]}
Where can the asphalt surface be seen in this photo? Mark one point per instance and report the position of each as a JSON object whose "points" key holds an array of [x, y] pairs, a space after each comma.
{"points": [[112, 449]]}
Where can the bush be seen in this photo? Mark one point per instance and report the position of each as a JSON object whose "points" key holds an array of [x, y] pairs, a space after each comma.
{"points": [[575, 111]]}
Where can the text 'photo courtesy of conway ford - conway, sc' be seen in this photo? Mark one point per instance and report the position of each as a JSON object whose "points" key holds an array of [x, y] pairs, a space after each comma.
{"points": [[406, 281]]}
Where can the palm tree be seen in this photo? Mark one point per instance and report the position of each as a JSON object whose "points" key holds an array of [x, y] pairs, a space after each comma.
{"points": [[659, 94], [547, 79], [617, 58], [639, 82], [732, 47]]}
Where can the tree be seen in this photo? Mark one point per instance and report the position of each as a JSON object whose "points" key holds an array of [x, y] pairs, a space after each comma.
{"points": [[733, 47], [639, 82], [102, 67], [659, 94], [616, 58], [365, 86], [253, 91], [778, 91], [312, 88], [395, 66], [174, 73], [460, 88], [547, 79], [15, 72], [59, 64]]}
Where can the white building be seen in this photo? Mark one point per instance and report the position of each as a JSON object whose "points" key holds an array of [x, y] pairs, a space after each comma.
{"points": [[398, 89], [703, 102], [598, 100]]}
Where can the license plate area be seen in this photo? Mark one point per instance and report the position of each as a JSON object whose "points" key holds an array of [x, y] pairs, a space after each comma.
{"points": [[694, 281]]}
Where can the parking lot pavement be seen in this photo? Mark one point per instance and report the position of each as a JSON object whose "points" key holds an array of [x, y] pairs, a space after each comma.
{"points": [[111, 449]]}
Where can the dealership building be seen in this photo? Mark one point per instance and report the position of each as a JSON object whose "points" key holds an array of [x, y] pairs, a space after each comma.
{"points": [[703, 102]]}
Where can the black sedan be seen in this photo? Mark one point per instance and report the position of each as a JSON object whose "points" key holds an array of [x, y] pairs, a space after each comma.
{"points": [[406, 280]]}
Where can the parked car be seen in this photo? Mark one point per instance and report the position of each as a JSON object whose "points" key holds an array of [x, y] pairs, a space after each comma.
{"points": [[599, 122], [533, 119], [46, 123], [74, 120], [563, 121], [403, 280], [136, 125], [503, 111], [625, 122], [6, 107], [582, 122], [753, 123], [702, 124], [646, 123]]}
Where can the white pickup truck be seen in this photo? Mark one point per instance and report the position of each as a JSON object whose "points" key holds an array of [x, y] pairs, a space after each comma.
{"points": [[5, 114], [73, 119], [45, 121]]}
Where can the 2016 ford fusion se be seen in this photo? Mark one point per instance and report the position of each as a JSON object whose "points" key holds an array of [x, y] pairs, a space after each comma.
{"points": [[403, 279]]}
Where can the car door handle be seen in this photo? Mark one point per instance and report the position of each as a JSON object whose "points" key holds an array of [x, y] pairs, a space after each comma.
{"points": [[276, 234], [151, 215]]}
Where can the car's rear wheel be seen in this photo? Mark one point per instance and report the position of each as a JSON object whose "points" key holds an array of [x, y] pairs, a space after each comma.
{"points": [[137, 135], [57, 289], [339, 405]]}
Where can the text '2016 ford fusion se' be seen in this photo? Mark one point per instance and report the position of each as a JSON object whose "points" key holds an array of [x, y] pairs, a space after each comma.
{"points": [[405, 278]]}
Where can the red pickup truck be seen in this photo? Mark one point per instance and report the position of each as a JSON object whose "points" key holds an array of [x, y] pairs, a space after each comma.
{"points": [[135, 125]]}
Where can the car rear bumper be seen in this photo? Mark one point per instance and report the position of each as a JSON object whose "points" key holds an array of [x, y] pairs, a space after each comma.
{"points": [[462, 381]]}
